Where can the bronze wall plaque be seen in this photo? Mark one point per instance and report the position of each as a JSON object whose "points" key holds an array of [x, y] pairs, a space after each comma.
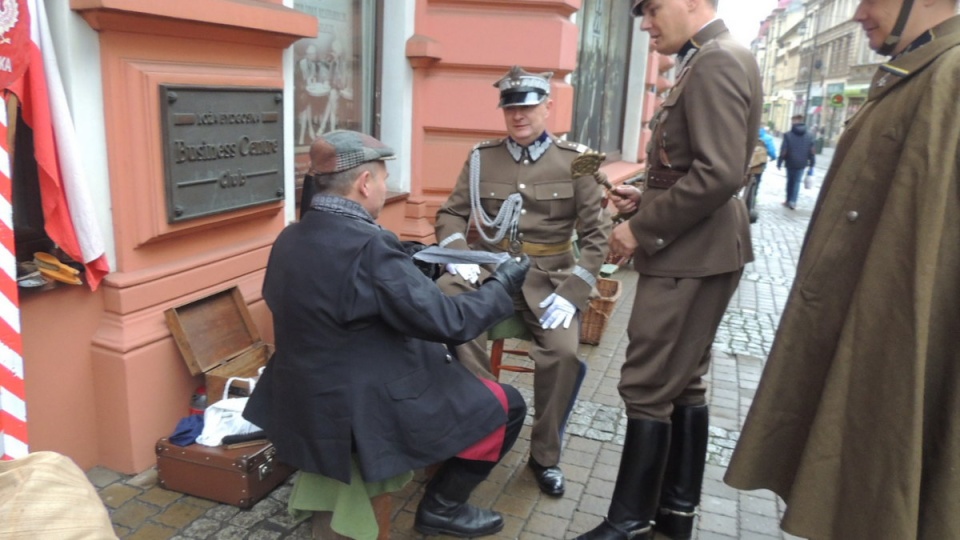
{"points": [[223, 148]]}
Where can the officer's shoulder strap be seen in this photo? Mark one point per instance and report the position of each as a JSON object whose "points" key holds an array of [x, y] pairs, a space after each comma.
{"points": [[569, 145], [489, 143]]}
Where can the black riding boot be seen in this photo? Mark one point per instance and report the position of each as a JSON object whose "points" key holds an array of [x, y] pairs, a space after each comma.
{"points": [[634, 503], [444, 508], [684, 475]]}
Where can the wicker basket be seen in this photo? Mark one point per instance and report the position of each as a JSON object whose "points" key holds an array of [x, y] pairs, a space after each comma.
{"points": [[595, 320]]}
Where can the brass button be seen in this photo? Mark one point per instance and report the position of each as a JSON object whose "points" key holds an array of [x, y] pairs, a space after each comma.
{"points": [[556, 194], [523, 186], [659, 241], [523, 212], [449, 359], [519, 235], [492, 194], [526, 162], [852, 216]]}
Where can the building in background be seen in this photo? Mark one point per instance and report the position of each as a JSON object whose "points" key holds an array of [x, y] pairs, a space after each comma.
{"points": [[821, 65]]}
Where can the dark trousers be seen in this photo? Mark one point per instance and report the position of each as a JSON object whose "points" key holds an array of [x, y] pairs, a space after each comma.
{"points": [[794, 178], [516, 412]]}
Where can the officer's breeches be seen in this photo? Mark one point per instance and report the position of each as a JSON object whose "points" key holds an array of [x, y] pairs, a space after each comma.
{"points": [[671, 332]]}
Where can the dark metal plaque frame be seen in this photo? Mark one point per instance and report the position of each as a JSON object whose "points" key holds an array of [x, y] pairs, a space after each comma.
{"points": [[222, 148]]}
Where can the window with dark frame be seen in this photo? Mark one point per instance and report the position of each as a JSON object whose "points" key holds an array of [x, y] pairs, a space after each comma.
{"points": [[600, 80], [335, 82]]}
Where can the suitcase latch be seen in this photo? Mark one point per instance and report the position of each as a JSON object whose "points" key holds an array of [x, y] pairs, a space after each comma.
{"points": [[265, 469]]}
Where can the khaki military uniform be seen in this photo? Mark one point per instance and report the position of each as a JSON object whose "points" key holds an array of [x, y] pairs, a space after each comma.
{"points": [[554, 205], [693, 233]]}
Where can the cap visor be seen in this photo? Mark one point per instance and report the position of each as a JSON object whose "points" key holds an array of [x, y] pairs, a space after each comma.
{"points": [[521, 99]]}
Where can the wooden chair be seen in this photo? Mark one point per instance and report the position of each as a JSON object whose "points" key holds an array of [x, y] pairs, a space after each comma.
{"points": [[510, 328]]}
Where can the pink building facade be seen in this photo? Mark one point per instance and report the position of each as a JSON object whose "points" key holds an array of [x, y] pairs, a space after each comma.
{"points": [[103, 376]]}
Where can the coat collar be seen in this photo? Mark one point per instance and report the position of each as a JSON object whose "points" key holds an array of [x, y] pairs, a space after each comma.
{"points": [[946, 35], [712, 30]]}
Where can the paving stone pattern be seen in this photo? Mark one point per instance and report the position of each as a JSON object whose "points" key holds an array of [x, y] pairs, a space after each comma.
{"points": [[140, 509]]}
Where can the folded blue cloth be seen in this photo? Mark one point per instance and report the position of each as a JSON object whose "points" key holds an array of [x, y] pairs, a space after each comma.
{"points": [[187, 430]]}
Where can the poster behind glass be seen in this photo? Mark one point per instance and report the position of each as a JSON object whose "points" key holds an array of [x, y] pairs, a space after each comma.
{"points": [[333, 73], [600, 78]]}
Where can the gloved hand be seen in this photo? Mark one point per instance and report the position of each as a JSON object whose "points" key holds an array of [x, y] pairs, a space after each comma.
{"points": [[511, 273], [469, 272], [559, 311]]}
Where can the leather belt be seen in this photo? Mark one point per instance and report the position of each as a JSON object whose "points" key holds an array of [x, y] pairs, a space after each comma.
{"points": [[663, 178], [533, 249]]}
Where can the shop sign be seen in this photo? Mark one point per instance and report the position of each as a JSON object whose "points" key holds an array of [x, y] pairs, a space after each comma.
{"points": [[223, 148]]}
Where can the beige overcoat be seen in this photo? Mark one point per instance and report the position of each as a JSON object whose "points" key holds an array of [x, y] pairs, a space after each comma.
{"points": [[856, 422]]}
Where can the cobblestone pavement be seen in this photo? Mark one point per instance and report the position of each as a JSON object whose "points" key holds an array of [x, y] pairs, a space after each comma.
{"points": [[142, 510]]}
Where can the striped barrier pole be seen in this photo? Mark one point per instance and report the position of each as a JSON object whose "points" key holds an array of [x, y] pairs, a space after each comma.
{"points": [[13, 408]]}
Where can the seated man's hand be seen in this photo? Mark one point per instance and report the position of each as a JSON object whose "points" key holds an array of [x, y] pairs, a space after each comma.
{"points": [[559, 311], [511, 274], [625, 198], [469, 272]]}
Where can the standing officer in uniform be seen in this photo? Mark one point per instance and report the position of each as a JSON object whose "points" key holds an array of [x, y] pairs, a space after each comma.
{"points": [[518, 194], [690, 238]]}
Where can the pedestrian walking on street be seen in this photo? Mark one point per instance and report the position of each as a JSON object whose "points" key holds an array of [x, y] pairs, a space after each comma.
{"points": [[797, 152], [764, 151], [856, 420], [690, 239]]}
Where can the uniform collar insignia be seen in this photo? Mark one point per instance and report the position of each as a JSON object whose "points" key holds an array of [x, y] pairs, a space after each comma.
{"points": [[533, 152]]}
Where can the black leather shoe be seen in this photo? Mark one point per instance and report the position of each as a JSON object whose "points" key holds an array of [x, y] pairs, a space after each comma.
{"points": [[550, 479], [611, 531]]}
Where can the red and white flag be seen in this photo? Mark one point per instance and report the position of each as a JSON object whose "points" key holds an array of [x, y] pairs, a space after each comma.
{"points": [[29, 70], [67, 207]]}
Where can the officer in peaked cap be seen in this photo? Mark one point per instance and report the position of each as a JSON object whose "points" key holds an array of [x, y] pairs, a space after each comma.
{"points": [[520, 88], [519, 194]]}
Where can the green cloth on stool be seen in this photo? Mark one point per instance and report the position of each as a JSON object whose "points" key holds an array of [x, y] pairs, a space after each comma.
{"points": [[352, 512]]}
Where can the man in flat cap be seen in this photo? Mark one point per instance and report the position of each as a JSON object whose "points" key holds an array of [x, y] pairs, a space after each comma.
{"points": [[360, 380], [856, 421], [519, 196], [689, 237]]}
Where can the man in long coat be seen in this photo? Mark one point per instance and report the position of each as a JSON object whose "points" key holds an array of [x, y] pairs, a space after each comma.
{"points": [[362, 371], [856, 421]]}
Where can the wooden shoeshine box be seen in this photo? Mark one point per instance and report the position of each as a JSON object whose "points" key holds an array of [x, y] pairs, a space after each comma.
{"points": [[218, 338]]}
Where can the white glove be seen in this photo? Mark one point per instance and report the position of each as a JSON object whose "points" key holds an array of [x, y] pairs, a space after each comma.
{"points": [[469, 272], [559, 311]]}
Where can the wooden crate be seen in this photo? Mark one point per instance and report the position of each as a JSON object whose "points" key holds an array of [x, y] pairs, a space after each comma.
{"points": [[594, 321], [218, 338]]}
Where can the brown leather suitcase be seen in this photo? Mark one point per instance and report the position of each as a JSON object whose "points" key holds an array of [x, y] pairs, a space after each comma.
{"points": [[238, 476]]}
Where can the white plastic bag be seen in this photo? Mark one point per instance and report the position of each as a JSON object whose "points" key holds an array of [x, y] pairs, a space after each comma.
{"points": [[225, 417], [808, 180]]}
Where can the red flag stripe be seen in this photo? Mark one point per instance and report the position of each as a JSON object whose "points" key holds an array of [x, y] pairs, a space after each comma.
{"points": [[10, 381], [13, 426]]}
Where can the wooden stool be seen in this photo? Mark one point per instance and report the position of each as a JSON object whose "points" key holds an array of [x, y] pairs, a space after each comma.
{"points": [[511, 328]]}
